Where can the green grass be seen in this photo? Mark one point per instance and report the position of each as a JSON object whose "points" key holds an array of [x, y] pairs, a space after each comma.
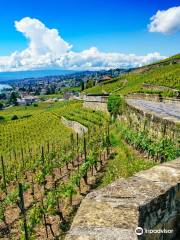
{"points": [[126, 161]]}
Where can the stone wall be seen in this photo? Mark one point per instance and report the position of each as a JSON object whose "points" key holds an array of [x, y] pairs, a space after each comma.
{"points": [[153, 97], [76, 126], [150, 200], [95, 102], [158, 87], [156, 126]]}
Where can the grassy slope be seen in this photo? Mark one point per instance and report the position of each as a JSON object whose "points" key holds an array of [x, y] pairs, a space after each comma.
{"points": [[168, 60], [163, 74], [126, 162]]}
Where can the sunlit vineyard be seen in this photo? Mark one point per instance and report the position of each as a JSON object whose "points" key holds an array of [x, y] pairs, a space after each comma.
{"points": [[107, 86], [168, 75], [165, 76], [44, 163]]}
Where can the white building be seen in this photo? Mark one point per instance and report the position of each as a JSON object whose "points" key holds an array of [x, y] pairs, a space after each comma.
{"points": [[27, 100]]}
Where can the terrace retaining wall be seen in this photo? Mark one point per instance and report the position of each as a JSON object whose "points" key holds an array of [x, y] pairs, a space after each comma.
{"points": [[97, 103], [156, 126], [153, 97], [150, 199], [76, 126]]}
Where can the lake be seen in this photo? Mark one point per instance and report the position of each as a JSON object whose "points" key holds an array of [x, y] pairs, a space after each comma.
{"points": [[4, 86]]}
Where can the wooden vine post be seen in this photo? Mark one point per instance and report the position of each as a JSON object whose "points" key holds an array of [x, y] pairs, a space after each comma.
{"points": [[77, 140], [73, 147], [23, 211], [4, 174], [44, 217], [85, 159], [85, 151], [107, 141], [43, 169]]}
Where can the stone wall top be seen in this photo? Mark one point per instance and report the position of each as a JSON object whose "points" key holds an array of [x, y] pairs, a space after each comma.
{"points": [[153, 97], [149, 199], [96, 98], [76, 126]]}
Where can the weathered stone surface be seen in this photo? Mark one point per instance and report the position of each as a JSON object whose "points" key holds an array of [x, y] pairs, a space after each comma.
{"points": [[100, 233], [76, 126], [97, 103], [156, 125], [150, 199], [153, 98]]}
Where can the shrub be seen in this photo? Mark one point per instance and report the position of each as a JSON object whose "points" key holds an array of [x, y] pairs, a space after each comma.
{"points": [[1, 105], [27, 116], [115, 105], [14, 117], [2, 118]]}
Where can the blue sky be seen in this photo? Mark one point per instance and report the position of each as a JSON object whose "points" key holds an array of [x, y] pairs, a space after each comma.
{"points": [[109, 25]]}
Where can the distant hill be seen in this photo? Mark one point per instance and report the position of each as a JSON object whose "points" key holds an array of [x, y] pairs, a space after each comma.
{"points": [[161, 77], [4, 76], [10, 77]]}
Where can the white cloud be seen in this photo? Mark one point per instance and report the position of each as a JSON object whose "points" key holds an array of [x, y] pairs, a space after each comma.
{"points": [[47, 49], [94, 59], [42, 39], [166, 21]]}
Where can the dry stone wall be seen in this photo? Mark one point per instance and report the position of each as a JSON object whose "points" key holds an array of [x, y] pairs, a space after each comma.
{"points": [[97, 103], [156, 126], [150, 200], [76, 126], [153, 97]]}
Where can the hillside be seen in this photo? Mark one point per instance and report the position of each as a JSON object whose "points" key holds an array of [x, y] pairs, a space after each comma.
{"points": [[168, 61], [165, 73]]}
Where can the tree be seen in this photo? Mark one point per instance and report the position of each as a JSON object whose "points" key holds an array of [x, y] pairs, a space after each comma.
{"points": [[2, 118], [115, 105], [90, 83], [37, 91], [14, 117], [13, 97], [2, 96], [1, 105], [82, 86]]}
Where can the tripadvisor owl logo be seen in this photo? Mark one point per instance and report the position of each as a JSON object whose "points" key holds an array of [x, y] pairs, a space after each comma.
{"points": [[139, 231]]}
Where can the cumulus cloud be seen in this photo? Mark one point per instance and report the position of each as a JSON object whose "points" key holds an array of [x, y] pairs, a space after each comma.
{"points": [[166, 21], [42, 39], [47, 49], [94, 59]]}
